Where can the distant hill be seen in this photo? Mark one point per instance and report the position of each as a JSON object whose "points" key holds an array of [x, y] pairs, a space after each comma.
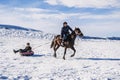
{"points": [[2, 26], [88, 37], [17, 31], [100, 38], [114, 38]]}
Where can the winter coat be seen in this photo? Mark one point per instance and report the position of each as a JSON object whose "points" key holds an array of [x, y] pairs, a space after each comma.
{"points": [[65, 30], [28, 48]]}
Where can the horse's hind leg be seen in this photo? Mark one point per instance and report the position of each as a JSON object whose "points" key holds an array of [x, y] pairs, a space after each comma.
{"points": [[55, 49], [74, 51], [52, 44]]}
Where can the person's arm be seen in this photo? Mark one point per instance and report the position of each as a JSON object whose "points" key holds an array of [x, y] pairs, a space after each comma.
{"points": [[70, 29], [26, 48], [30, 48], [62, 33]]}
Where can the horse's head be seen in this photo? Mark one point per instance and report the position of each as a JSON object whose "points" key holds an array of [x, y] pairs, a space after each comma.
{"points": [[73, 34], [78, 32]]}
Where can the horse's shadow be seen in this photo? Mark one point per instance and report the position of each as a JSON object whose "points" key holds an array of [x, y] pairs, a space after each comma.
{"points": [[100, 59]]}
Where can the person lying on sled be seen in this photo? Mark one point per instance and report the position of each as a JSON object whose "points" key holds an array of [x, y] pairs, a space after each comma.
{"points": [[28, 48]]}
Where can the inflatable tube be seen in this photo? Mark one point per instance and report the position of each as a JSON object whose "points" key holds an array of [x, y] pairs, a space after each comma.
{"points": [[27, 53]]}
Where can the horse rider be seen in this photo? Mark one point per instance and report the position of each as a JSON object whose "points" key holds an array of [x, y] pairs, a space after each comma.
{"points": [[65, 32]]}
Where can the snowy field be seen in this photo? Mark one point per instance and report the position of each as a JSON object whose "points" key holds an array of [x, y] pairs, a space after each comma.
{"points": [[94, 60]]}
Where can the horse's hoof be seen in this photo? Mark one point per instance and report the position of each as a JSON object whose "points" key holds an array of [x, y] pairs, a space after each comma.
{"points": [[72, 55], [55, 56], [64, 58]]}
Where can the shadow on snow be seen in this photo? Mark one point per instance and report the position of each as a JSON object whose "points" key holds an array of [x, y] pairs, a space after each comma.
{"points": [[100, 59], [37, 55]]}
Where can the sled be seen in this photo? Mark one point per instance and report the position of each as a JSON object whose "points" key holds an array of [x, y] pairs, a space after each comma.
{"points": [[27, 53]]}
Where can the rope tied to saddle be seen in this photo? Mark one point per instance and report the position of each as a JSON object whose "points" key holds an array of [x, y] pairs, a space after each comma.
{"points": [[40, 45]]}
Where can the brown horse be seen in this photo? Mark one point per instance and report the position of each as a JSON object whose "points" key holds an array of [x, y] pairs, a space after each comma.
{"points": [[56, 43]]}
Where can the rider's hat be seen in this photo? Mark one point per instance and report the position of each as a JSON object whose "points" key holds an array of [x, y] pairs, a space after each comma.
{"points": [[65, 23]]}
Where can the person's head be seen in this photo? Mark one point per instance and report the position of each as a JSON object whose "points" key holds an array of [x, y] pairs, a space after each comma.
{"points": [[28, 44], [65, 24]]}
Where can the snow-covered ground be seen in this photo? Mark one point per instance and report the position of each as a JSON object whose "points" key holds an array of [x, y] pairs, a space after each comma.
{"points": [[94, 60]]}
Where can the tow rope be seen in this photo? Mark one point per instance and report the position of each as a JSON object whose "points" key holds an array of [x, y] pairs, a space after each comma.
{"points": [[40, 45]]}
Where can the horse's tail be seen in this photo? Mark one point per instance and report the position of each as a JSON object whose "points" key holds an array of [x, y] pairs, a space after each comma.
{"points": [[53, 41], [52, 44]]}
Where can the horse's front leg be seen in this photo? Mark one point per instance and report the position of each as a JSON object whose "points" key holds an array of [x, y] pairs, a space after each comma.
{"points": [[74, 51], [64, 53]]}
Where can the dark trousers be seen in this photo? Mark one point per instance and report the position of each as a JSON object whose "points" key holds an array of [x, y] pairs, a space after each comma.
{"points": [[66, 37], [21, 50]]}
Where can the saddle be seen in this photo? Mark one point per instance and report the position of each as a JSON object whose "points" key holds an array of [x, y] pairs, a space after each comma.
{"points": [[62, 42]]}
